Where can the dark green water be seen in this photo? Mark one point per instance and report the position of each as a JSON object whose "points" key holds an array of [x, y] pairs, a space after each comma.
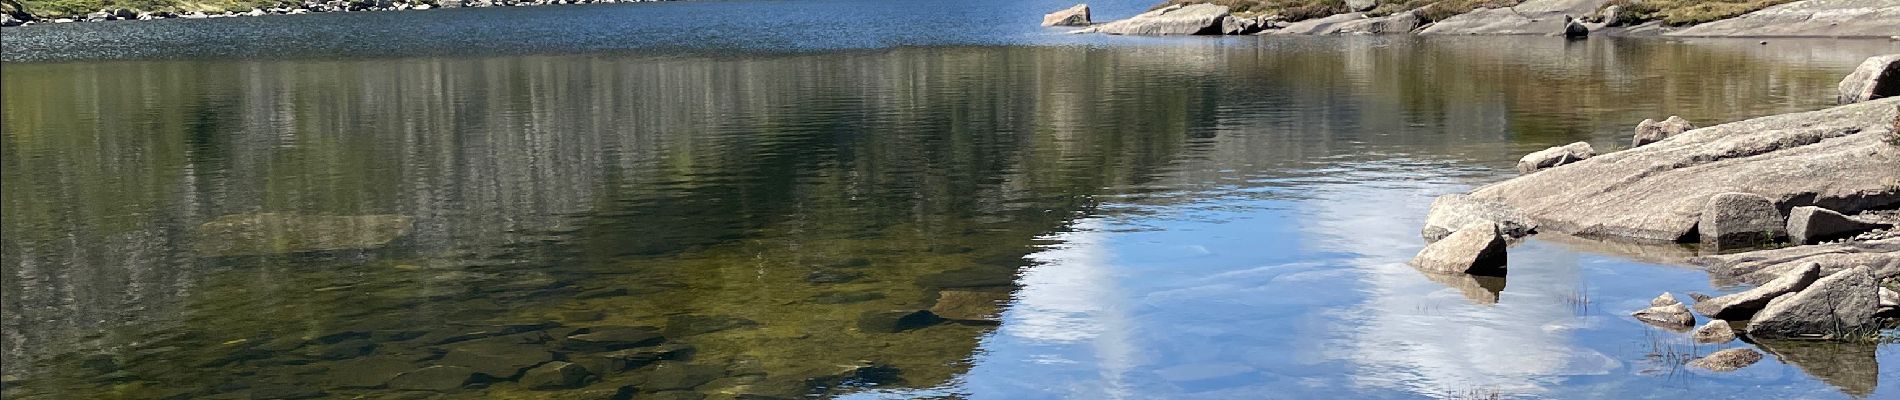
{"points": [[1191, 218]]}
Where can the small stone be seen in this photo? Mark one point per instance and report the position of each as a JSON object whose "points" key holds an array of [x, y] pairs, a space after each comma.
{"points": [[894, 321], [1554, 157], [1650, 131], [1716, 331], [1666, 299], [1672, 316], [1727, 360]]}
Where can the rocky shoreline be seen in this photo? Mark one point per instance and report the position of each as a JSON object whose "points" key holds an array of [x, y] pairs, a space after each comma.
{"points": [[1567, 18], [1803, 206], [24, 18]]}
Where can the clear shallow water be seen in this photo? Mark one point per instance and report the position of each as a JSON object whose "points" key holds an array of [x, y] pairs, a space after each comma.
{"points": [[1170, 218]]}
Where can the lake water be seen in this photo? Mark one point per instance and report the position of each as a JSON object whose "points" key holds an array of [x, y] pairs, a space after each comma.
{"points": [[324, 205]]}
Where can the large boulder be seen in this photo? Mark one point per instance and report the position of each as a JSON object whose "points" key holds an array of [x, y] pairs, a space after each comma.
{"points": [[1834, 158], [1453, 211], [1532, 17], [1808, 18], [282, 233], [1743, 305], [1727, 360], [1881, 255], [1651, 131], [1077, 15], [1810, 225], [1476, 249], [1555, 156], [1877, 77], [1327, 25], [1242, 26], [1194, 19], [1839, 306], [1739, 220]]}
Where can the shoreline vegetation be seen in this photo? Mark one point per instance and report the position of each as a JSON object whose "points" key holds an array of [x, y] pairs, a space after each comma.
{"points": [[1569, 18], [29, 12]]}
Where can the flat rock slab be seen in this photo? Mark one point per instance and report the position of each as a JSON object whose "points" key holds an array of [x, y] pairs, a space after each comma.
{"points": [[1554, 157], [1453, 211], [1534, 17], [1194, 19], [1834, 158], [1808, 18], [1757, 267]]}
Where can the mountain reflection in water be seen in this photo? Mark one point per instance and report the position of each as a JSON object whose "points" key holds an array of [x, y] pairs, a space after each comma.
{"points": [[1197, 220]]}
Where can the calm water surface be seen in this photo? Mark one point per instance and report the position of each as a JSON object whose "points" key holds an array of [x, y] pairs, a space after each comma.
{"points": [[243, 208]]}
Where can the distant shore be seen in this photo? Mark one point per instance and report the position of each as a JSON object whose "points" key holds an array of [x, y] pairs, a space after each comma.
{"points": [[18, 14]]}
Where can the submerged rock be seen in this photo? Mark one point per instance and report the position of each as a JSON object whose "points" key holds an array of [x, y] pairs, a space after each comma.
{"points": [[1453, 211], [440, 378], [690, 325], [614, 338], [1810, 225], [1851, 366], [1727, 360], [1839, 306], [1651, 131], [279, 233], [1675, 316], [1477, 249], [673, 375], [1716, 331], [622, 360], [554, 375], [1480, 289], [969, 305], [1743, 305], [1176, 19], [1833, 158], [894, 321], [1740, 220], [1077, 15], [496, 359]]}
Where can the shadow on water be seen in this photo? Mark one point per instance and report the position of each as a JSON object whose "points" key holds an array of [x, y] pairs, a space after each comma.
{"points": [[763, 225]]}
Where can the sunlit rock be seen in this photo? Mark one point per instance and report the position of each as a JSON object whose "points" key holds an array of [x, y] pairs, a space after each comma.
{"points": [[1740, 220], [1193, 19], [1554, 157], [1810, 225], [1664, 299], [1743, 305], [1716, 331], [1476, 249], [1077, 15], [280, 233], [1651, 131], [1839, 306], [1882, 255], [1453, 211], [1673, 316]]}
